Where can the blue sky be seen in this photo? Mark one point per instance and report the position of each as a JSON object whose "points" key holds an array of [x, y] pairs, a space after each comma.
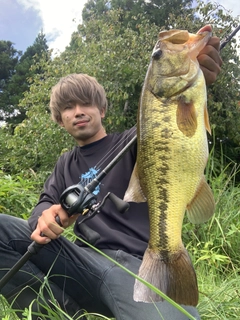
{"points": [[17, 24], [22, 20]]}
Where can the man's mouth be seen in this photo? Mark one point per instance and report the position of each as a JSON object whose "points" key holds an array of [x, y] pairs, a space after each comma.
{"points": [[81, 122]]}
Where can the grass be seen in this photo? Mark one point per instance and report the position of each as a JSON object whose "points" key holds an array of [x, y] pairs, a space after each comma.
{"points": [[219, 296], [214, 248]]}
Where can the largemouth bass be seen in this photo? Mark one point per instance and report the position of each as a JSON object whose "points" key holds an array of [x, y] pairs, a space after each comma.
{"points": [[172, 155]]}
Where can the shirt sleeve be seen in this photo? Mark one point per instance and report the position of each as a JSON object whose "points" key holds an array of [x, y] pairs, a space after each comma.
{"points": [[53, 188]]}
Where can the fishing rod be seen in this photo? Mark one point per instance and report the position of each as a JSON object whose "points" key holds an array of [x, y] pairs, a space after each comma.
{"points": [[78, 199], [229, 37]]}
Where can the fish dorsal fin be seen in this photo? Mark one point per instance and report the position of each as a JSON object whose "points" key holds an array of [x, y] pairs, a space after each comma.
{"points": [[202, 207], [134, 191], [206, 120], [186, 117]]}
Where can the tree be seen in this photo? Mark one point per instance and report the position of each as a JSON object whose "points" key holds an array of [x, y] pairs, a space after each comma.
{"points": [[156, 11], [118, 57], [9, 57], [122, 79], [223, 95], [19, 80]]}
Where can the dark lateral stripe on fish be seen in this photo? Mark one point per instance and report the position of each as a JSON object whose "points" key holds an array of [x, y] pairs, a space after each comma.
{"points": [[163, 207], [161, 240]]}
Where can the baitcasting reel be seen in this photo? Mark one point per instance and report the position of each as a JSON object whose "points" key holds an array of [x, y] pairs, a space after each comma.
{"points": [[78, 199]]}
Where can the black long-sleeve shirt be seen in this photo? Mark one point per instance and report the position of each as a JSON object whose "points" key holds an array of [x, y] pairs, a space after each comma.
{"points": [[129, 231]]}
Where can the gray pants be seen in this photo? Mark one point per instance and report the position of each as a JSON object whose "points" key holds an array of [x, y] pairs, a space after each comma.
{"points": [[80, 278]]}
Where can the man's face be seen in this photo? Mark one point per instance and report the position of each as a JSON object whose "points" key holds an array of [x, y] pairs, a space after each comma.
{"points": [[83, 122]]}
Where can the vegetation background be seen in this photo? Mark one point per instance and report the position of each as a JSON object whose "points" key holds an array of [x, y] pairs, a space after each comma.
{"points": [[114, 44]]}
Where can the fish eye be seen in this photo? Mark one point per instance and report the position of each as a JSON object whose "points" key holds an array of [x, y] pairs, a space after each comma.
{"points": [[157, 54]]}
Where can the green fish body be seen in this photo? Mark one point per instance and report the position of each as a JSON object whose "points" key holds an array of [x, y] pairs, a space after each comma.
{"points": [[172, 155]]}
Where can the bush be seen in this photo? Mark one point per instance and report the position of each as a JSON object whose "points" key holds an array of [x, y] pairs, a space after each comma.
{"points": [[19, 194]]}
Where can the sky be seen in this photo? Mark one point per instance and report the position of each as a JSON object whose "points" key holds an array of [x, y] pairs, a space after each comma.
{"points": [[22, 20]]}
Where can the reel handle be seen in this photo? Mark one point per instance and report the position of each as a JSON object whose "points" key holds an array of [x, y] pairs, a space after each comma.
{"points": [[89, 234], [122, 206]]}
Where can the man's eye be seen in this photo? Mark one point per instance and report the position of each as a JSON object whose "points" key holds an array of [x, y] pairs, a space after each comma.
{"points": [[68, 106]]}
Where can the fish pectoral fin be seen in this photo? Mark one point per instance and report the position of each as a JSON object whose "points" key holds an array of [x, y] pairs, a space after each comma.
{"points": [[206, 120], [134, 191], [202, 206], [186, 117]]}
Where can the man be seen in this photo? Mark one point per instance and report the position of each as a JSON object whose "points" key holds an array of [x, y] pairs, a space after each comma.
{"points": [[79, 277]]}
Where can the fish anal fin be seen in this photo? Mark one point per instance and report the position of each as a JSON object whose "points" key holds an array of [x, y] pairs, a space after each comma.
{"points": [[206, 120], [186, 117], [134, 191], [175, 277], [202, 206]]}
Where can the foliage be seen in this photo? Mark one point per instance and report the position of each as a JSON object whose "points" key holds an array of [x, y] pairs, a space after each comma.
{"points": [[223, 95], [112, 52], [8, 59], [213, 246], [18, 195], [122, 79], [3, 148], [115, 48], [219, 296], [125, 49], [216, 242], [19, 80], [156, 11]]}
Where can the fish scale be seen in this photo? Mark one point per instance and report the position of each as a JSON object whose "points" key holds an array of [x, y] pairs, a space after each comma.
{"points": [[171, 158]]}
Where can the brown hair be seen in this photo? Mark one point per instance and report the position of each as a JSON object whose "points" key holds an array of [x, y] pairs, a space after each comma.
{"points": [[76, 88]]}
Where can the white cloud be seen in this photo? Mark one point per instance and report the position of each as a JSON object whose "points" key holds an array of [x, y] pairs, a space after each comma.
{"points": [[230, 5], [60, 19]]}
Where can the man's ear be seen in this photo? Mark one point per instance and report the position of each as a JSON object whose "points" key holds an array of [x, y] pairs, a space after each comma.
{"points": [[60, 122], [103, 113]]}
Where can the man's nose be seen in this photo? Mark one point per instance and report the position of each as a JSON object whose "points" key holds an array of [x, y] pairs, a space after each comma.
{"points": [[79, 110]]}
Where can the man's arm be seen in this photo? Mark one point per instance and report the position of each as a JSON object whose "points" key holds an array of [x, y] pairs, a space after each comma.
{"points": [[43, 218]]}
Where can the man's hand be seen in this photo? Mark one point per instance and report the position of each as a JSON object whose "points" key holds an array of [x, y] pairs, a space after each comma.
{"points": [[209, 58], [47, 227]]}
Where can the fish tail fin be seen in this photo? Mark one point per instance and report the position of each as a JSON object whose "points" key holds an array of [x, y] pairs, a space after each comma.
{"points": [[174, 275]]}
